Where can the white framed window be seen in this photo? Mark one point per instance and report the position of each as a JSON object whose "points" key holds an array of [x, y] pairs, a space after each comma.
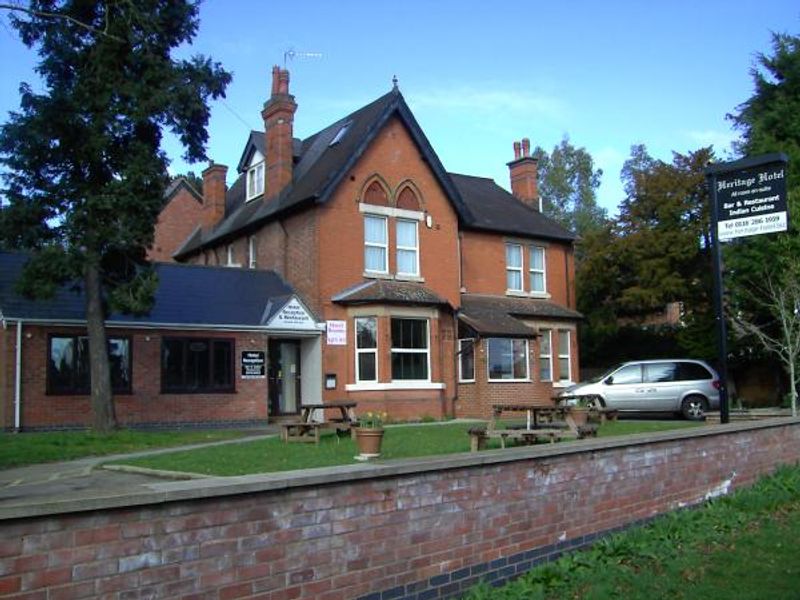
{"points": [[407, 247], [410, 350], [251, 252], [564, 362], [546, 355], [255, 180], [514, 267], [376, 244], [507, 359], [366, 349], [230, 256], [466, 360], [538, 281]]}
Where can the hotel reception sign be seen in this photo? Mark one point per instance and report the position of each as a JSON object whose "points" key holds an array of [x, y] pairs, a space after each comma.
{"points": [[750, 200]]}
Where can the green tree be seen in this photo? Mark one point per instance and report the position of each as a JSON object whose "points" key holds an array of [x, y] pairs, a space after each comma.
{"points": [[85, 172], [769, 122], [568, 185]]}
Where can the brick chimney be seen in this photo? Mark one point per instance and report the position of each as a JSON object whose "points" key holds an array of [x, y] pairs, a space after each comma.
{"points": [[278, 115], [524, 170], [214, 189]]}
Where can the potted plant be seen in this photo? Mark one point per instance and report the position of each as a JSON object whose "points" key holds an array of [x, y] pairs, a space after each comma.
{"points": [[369, 435], [582, 410]]}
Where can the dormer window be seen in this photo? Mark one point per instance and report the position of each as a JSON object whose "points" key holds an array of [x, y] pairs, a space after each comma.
{"points": [[255, 180]]}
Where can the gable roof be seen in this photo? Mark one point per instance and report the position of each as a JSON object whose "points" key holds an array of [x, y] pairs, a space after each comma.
{"points": [[492, 208], [181, 183], [187, 295], [320, 167]]}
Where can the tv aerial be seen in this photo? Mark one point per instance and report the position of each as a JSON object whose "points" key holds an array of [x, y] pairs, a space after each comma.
{"points": [[291, 54]]}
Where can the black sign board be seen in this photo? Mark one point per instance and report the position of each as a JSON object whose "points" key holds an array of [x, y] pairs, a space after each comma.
{"points": [[254, 364], [751, 201], [748, 197]]}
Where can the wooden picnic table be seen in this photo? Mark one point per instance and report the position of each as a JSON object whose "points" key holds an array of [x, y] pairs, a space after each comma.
{"points": [[307, 429], [550, 423]]}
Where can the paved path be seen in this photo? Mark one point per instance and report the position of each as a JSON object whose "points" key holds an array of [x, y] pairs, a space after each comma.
{"points": [[77, 478]]}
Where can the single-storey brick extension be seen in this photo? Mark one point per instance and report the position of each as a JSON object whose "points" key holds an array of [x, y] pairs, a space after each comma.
{"points": [[346, 266]]}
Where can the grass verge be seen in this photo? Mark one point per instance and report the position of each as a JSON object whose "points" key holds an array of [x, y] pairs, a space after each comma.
{"points": [[742, 546], [406, 441], [18, 449]]}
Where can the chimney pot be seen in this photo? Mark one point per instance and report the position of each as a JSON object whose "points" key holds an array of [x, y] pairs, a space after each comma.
{"points": [[214, 188], [278, 115], [525, 174]]}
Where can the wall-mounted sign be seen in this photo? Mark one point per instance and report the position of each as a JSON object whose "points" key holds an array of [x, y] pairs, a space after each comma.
{"points": [[751, 201], [254, 364], [293, 315], [337, 333]]}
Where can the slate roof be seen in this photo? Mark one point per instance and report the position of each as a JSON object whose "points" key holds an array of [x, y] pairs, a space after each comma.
{"points": [[500, 315], [389, 292], [319, 167], [181, 183], [492, 208], [187, 295]]}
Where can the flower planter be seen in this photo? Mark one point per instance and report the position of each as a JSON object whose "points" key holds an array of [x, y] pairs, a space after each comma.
{"points": [[580, 415], [369, 442]]}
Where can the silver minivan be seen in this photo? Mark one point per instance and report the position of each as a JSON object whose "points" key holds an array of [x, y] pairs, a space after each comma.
{"points": [[685, 386]]}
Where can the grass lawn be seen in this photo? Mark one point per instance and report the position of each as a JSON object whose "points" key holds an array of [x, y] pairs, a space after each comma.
{"points": [[742, 546], [406, 441], [17, 449]]}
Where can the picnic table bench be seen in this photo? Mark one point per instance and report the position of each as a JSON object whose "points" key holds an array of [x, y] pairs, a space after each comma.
{"points": [[306, 429], [542, 423]]}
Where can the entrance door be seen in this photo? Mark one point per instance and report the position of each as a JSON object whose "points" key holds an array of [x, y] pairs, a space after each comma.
{"points": [[284, 377]]}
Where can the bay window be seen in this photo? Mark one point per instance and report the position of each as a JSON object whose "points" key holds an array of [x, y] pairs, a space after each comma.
{"points": [[507, 359], [546, 355], [410, 350], [564, 366], [366, 349], [466, 360]]}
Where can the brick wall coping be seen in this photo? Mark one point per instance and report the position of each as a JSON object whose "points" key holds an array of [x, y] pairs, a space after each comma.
{"points": [[215, 487]]}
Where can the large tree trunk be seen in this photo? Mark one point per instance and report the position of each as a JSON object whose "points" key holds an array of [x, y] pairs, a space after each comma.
{"points": [[103, 417]]}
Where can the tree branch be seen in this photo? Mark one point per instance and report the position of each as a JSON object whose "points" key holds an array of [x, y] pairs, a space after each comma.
{"points": [[50, 15]]}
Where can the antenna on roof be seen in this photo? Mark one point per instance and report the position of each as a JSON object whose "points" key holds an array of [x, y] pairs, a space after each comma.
{"points": [[291, 54]]}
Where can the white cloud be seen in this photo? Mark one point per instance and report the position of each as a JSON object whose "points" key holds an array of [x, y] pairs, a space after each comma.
{"points": [[721, 140], [492, 99]]}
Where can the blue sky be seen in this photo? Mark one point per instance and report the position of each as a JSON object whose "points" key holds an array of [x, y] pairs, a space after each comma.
{"points": [[479, 75]]}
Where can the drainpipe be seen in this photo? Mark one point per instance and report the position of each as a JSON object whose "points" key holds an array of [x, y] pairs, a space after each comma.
{"points": [[18, 380]]}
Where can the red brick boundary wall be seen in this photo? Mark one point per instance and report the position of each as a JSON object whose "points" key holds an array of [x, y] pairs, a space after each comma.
{"points": [[407, 529]]}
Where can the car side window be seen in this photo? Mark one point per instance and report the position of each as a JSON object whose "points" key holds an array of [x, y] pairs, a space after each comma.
{"points": [[660, 372], [627, 374], [692, 372]]}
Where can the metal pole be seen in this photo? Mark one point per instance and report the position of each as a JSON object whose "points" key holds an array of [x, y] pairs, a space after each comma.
{"points": [[722, 335]]}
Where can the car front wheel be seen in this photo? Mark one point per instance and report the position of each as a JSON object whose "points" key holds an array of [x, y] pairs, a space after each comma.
{"points": [[694, 408]]}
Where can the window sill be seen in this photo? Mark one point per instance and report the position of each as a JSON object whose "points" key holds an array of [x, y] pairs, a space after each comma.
{"points": [[510, 380], [371, 386], [562, 384], [377, 275], [522, 294], [414, 278], [460, 381]]}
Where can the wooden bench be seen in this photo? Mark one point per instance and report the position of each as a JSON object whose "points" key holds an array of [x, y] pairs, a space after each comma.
{"points": [[299, 431], [478, 436]]}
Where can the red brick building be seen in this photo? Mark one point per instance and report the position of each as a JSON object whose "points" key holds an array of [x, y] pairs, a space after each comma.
{"points": [[413, 290]]}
